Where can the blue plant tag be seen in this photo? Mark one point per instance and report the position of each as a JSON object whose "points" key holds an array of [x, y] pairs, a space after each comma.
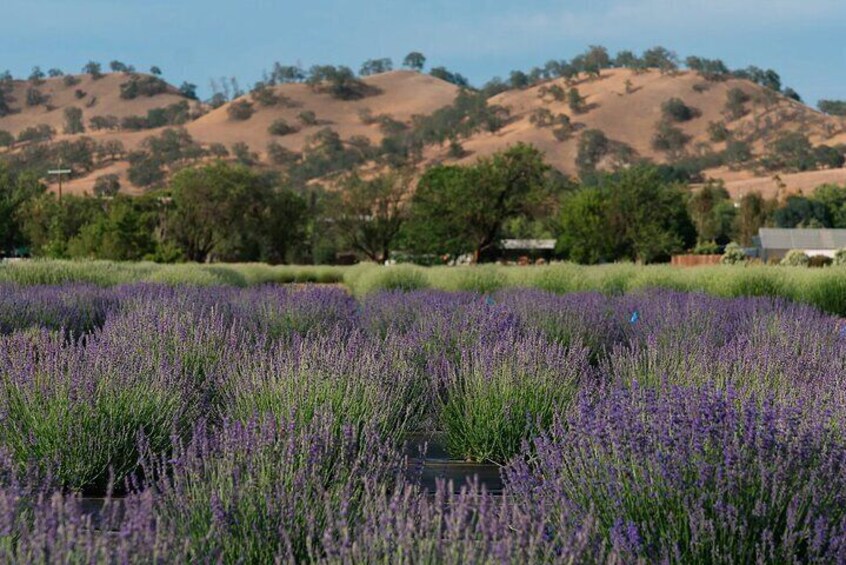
{"points": [[489, 301], [635, 317]]}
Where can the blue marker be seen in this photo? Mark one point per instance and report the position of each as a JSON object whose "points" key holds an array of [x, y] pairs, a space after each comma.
{"points": [[635, 317], [489, 301]]}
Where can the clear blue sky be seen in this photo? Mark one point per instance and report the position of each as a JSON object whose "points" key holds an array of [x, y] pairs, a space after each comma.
{"points": [[804, 40]]}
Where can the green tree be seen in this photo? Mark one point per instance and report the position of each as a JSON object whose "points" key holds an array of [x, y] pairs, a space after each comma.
{"points": [[462, 209], [832, 107], [713, 213], [833, 197], [107, 185], [415, 61], [94, 69], [16, 190], [576, 101], [593, 146], [631, 214], [752, 213], [802, 212], [676, 110], [583, 236], [73, 120], [228, 212], [370, 213], [376, 66], [124, 232], [49, 225]]}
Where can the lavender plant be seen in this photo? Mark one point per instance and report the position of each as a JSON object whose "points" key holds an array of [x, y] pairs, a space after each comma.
{"points": [[694, 475], [499, 395], [267, 490]]}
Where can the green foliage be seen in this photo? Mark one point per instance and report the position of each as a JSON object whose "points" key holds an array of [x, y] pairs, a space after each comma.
{"points": [[840, 257], [94, 69], [660, 58], [16, 190], [172, 115], [369, 214], [104, 122], [674, 109], [73, 120], [736, 99], [35, 97], [6, 138], [790, 151], [449, 76], [240, 110], [307, 118], [107, 185], [41, 132], [339, 82], [376, 66], [710, 69], [833, 197], [575, 101], [457, 210], [832, 107], [144, 169], [593, 146], [280, 127], [188, 90], [415, 61], [139, 85], [733, 255], [713, 213], [669, 139], [718, 132], [232, 213], [125, 232], [795, 258], [631, 214], [802, 212]]}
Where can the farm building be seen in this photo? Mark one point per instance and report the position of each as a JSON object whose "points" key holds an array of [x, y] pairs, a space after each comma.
{"points": [[526, 249], [774, 243]]}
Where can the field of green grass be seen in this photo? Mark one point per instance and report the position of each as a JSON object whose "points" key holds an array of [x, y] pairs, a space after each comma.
{"points": [[824, 288]]}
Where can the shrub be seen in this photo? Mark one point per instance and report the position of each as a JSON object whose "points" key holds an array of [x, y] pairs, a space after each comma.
{"points": [[725, 476], [73, 120], [499, 395], [820, 261], [104, 122], [266, 491], [85, 425], [733, 255], [840, 257], [142, 86], [107, 185], [795, 258], [307, 118], [240, 110], [676, 110], [281, 127]]}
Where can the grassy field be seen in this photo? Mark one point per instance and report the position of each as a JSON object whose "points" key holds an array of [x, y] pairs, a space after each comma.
{"points": [[824, 288]]}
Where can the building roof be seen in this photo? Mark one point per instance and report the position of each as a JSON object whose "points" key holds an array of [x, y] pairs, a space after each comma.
{"points": [[527, 243], [784, 238]]}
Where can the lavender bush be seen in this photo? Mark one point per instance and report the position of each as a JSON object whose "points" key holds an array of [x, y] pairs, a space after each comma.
{"points": [[695, 475]]}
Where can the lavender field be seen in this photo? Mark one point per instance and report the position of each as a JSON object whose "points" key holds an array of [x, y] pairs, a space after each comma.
{"points": [[147, 423]]}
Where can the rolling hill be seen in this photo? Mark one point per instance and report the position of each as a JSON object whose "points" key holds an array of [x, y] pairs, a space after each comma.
{"points": [[625, 105]]}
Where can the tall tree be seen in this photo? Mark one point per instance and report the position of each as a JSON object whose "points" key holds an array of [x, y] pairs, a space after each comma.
{"points": [[370, 213], [415, 61], [457, 210]]}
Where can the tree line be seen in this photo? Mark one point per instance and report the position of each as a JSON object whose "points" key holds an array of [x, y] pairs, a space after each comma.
{"points": [[222, 211]]}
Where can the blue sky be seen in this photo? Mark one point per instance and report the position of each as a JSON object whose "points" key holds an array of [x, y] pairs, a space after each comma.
{"points": [[804, 40]]}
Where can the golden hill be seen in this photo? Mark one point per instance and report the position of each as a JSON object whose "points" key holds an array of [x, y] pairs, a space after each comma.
{"points": [[624, 104]]}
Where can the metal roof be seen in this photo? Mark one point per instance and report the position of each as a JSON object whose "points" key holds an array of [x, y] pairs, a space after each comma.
{"points": [[796, 238], [527, 243]]}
